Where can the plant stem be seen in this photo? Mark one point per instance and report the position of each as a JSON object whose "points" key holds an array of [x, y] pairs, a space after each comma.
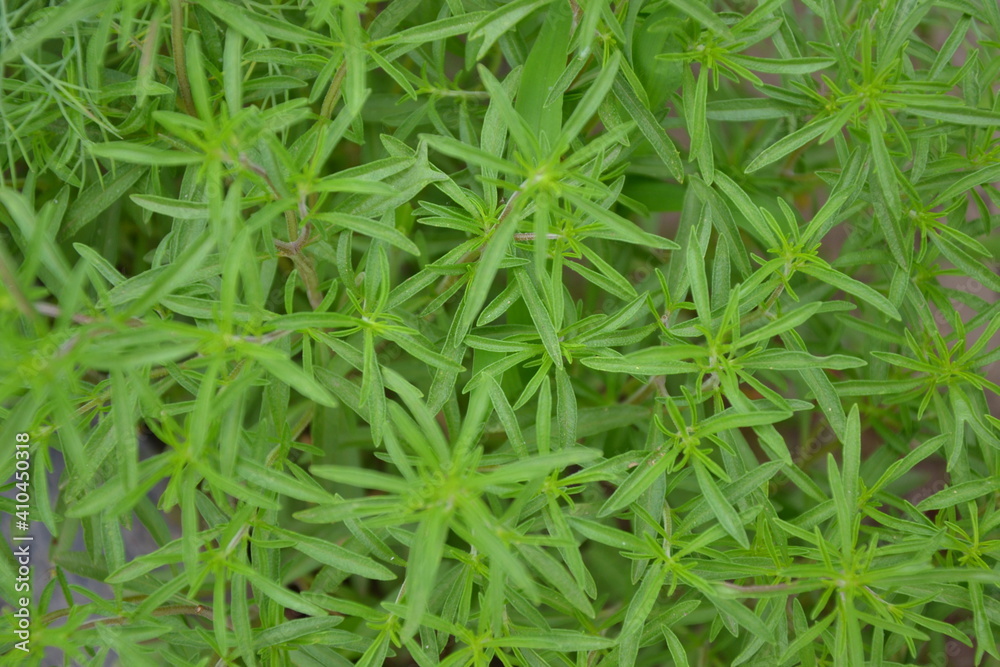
{"points": [[169, 610], [333, 93], [180, 63], [299, 238]]}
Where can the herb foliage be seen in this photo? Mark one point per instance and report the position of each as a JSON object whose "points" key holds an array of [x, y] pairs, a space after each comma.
{"points": [[539, 332]]}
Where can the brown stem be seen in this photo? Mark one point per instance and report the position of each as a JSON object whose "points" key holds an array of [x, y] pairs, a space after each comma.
{"points": [[294, 247], [180, 64], [300, 238], [509, 206], [293, 250], [657, 382], [309, 279], [333, 93], [170, 610]]}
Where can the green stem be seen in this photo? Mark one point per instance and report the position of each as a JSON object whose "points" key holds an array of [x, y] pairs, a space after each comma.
{"points": [[180, 63]]}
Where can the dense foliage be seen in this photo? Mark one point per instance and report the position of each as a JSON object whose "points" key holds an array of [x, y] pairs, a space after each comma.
{"points": [[543, 332]]}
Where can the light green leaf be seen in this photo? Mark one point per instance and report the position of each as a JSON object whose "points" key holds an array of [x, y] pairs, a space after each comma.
{"points": [[960, 493], [724, 512], [371, 228], [852, 286], [124, 151], [789, 143]]}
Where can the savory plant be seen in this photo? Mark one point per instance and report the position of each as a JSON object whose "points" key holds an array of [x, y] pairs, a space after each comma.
{"points": [[471, 332]]}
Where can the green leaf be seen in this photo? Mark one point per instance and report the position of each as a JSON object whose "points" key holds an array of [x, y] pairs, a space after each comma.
{"points": [[99, 197], [223, 483], [724, 512], [420, 351], [372, 229], [280, 483], [486, 270], [962, 185], [423, 564], [373, 389], [789, 143], [539, 466], [436, 30], [509, 118], [646, 363], [703, 15], [337, 556], [124, 151], [637, 613], [852, 286], [148, 289], [647, 469], [983, 629], [676, 648], [960, 493], [175, 208], [729, 419], [619, 228], [592, 99], [784, 65], [312, 320], [783, 323], [540, 316], [747, 109], [284, 370], [968, 264], [852, 461], [508, 418], [103, 266], [612, 537], [471, 154], [232, 71], [553, 639], [501, 20], [649, 126], [957, 115], [280, 594], [303, 630], [696, 274], [747, 208], [365, 479], [234, 17], [826, 395], [788, 360], [884, 171]]}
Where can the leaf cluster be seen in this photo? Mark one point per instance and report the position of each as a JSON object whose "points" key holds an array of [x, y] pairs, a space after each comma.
{"points": [[473, 332]]}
